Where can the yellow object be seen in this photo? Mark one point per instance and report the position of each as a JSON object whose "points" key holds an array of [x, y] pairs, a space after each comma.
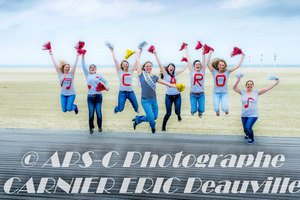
{"points": [[180, 87], [128, 53]]}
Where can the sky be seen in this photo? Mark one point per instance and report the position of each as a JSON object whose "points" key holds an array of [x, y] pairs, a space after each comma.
{"points": [[258, 27]]}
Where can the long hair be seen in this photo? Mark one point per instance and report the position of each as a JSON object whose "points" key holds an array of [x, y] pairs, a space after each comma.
{"points": [[166, 68], [62, 65], [215, 64]]}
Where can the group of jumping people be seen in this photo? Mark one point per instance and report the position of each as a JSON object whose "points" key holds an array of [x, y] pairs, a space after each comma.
{"points": [[147, 82]]}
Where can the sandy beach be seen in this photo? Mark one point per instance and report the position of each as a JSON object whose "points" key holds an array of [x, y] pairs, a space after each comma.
{"points": [[30, 98]]}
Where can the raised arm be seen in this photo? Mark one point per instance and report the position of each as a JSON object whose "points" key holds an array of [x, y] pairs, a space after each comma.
{"points": [[235, 88], [115, 59], [163, 82], [134, 66], [54, 62], [163, 70], [203, 60], [137, 61], [238, 65], [179, 71], [190, 66], [264, 90], [85, 70], [211, 69], [75, 64]]}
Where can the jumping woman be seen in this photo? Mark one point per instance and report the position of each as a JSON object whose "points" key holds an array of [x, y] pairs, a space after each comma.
{"points": [[249, 98], [94, 97], [66, 79], [169, 74], [148, 100], [220, 73], [125, 77], [197, 75]]}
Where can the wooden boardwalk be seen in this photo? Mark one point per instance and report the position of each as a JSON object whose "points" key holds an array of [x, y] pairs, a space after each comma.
{"points": [[17, 144]]}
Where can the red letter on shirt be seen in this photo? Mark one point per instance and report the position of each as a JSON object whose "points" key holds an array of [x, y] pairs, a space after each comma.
{"points": [[217, 81], [124, 79], [198, 79], [173, 80], [66, 79]]}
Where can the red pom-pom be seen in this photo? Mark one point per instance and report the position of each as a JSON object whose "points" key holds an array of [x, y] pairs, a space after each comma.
{"points": [[206, 49], [47, 46], [80, 45], [151, 49], [81, 51], [199, 46], [182, 46], [184, 59], [100, 87], [236, 51]]}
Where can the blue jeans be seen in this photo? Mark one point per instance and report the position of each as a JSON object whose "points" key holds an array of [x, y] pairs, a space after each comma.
{"points": [[248, 123], [169, 100], [220, 97], [151, 109], [123, 96], [94, 103], [197, 103], [67, 103]]}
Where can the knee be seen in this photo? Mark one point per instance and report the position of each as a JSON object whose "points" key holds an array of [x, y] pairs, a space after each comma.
{"points": [[167, 115], [120, 108], [248, 130]]}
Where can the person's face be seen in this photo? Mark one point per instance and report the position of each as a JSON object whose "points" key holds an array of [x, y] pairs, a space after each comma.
{"points": [[249, 86], [125, 65], [171, 69], [93, 69], [221, 66], [66, 68], [197, 66], [148, 67]]}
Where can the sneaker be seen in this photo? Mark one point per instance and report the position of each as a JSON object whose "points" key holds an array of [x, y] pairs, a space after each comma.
{"points": [[250, 141], [218, 114], [91, 131], [246, 137], [192, 114], [179, 118], [163, 129], [134, 123], [100, 130], [76, 110], [153, 130], [200, 114], [227, 112]]}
